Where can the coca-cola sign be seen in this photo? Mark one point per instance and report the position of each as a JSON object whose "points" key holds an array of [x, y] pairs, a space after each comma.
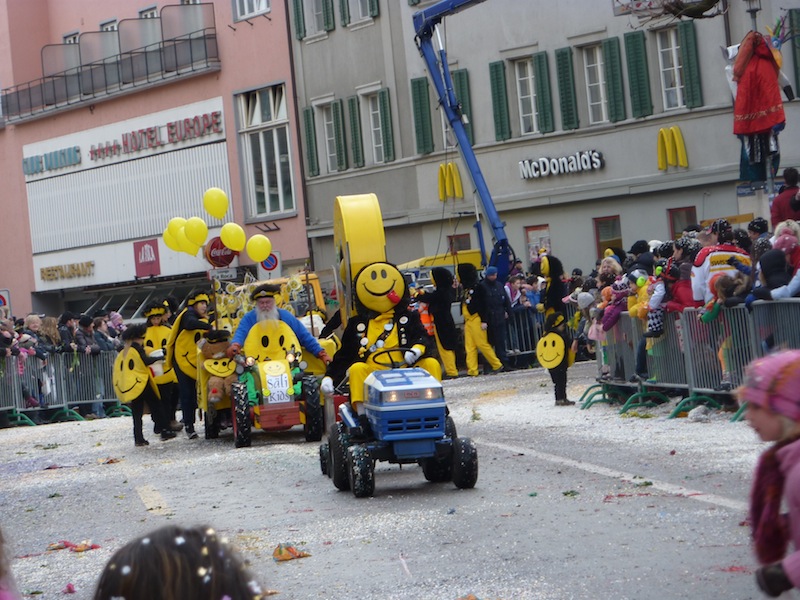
{"points": [[218, 255]]}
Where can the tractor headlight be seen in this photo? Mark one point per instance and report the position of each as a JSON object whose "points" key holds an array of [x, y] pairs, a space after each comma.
{"points": [[413, 395]]}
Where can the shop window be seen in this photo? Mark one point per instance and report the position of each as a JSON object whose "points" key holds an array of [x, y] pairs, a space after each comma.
{"points": [[537, 238], [607, 234], [680, 218], [266, 152]]}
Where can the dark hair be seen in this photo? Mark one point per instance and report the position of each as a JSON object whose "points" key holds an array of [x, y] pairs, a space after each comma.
{"points": [[177, 563], [790, 176], [741, 239], [139, 330]]}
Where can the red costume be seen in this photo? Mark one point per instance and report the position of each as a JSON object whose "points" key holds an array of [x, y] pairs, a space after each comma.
{"points": [[758, 106]]}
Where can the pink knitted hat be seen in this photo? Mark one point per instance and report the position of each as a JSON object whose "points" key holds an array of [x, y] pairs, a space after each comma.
{"points": [[773, 382]]}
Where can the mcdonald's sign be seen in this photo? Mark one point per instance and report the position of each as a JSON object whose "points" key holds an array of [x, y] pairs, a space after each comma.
{"points": [[671, 148], [449, 182]]}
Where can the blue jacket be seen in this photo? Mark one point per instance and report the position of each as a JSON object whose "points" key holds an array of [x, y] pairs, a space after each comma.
{"points": [[307, 341]]}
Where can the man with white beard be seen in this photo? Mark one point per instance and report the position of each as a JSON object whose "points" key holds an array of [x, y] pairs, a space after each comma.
{"points": [[266, 309]]}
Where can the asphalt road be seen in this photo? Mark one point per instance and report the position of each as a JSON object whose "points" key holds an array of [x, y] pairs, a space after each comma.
{"points": [[569, 503]]}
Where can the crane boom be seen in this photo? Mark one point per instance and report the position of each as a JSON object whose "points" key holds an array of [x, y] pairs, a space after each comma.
{"points": [[425, 23]]}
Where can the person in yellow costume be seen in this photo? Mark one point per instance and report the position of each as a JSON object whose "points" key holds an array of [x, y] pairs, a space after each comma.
{"points": [[189, 327], [475, 336], [155, 344], [134, 384], [383, 321]]}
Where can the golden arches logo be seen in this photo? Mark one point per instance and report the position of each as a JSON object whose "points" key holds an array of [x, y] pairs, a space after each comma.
{"points": [[671, 148], [449, 182]]}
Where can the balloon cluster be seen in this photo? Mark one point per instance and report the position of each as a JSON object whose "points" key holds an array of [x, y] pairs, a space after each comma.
{"points": [[188, 235]]}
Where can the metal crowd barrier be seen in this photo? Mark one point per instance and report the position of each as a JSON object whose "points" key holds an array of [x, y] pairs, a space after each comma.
{"points": [[522, 334], [32, 391]]}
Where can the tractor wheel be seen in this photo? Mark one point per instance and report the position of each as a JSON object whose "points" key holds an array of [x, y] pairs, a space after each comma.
{"points": [[450, 428], [361, 471], [314, 417], [465, 463], [212, 425], [337, 466], [241, 415], [437, 470], [324, 450]]}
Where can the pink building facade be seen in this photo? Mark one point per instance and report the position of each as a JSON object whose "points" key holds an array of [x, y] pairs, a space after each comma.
{"points": [[116, 117]]}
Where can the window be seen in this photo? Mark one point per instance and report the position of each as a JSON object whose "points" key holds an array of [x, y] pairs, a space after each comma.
{"points": [[356, 141], [250, 8], [330, 138], [497, 81], [71, 38], [358, 10], [317, 16], [109, 26], [669, 63], [526, 95], [332, 122], [191, 1], [313, 17], [607, 233], [376, 130], [638, 73], [595, 85], [537, 238], [568, 99], [421, 111], [149, 13], [680, 218], [459, 242], [264, 141]]}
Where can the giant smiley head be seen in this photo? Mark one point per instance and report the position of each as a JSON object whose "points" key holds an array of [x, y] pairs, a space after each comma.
{"points": [[131, 376], [270, 339], [551, 351], [380, 287]]}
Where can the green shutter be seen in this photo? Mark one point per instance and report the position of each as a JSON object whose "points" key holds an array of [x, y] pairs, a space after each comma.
{"points": [[794, 26], [299, 20], [638, 74], [497, 80], [413, 2], [385, 108], [612, 67], [461, 88], [692, 90], [421, 109], [356, 143], [566, 89], [329, 22], [337, 109], [311, 141], [374, 9], [344, 12], [544, 98]]}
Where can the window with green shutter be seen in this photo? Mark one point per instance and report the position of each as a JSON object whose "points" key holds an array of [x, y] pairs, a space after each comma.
{"points": [[374, 9], [344, 12], [421, 110], [337, 108], [299, 20], [502, 121], [612, 65], [461, 88], [693, 91], [566, 89], [311, 141], [327, 15], [413, 2], [356, 143], [794, 26], [638, 74], [387, 133], [544, 97]]}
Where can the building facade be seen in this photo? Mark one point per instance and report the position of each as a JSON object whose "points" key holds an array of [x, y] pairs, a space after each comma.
{"points": [[566, 104], [116, 117]]}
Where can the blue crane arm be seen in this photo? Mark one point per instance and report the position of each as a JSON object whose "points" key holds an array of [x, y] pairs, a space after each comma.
{"points": [[425, 22]]}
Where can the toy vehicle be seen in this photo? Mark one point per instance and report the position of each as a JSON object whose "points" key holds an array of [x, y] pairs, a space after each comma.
{"points": [[273, 392], [406, 423]]}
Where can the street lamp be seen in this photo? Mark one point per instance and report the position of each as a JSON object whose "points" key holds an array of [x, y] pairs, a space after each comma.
{"points": [[753, 6]]}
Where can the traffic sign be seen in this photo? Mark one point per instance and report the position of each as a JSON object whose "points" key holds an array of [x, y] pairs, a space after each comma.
{"points": [[270, 263]]}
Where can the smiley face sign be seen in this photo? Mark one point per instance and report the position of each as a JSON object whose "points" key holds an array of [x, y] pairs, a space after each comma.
{"points": [[271, 339], [551, 351], [380, 287], [131, 376]]}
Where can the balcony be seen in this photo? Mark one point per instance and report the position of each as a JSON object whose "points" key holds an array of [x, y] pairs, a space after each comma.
{"points": [[142, 53]]}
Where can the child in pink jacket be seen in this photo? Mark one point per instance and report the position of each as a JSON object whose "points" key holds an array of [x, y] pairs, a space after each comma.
{"points": [[772, 391]]}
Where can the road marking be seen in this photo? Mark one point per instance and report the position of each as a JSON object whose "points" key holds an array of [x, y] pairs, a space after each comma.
{"points": [[670, 488], [153, 500]]}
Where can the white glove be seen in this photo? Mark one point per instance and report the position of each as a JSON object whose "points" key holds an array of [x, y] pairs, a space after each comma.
{"points": [[412, 356], [157, 354], [326, 386]]}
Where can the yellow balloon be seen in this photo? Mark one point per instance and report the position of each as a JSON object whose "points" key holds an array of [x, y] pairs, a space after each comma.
{"points": [[185, 245], [175, 223], [215, 201], [232, 235], [170, 241], [258, 248], [196, 231]]}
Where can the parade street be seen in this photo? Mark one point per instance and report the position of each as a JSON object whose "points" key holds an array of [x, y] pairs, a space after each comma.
{"points": [[569, 503]]}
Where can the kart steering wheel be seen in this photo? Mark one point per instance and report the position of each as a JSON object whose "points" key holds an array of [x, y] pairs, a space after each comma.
{"points": [[387, 357]]}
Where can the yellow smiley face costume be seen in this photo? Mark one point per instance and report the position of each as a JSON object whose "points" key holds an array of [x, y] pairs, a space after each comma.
{"points": [[156, 338], [380, 287], [131, 376], [271, 339], [551, 350]]}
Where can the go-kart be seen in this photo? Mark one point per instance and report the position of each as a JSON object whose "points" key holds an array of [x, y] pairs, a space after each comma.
{"points": [[405, 421]]}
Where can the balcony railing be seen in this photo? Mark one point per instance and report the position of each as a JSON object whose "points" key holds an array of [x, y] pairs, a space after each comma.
{"points": [[181, 56]]}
